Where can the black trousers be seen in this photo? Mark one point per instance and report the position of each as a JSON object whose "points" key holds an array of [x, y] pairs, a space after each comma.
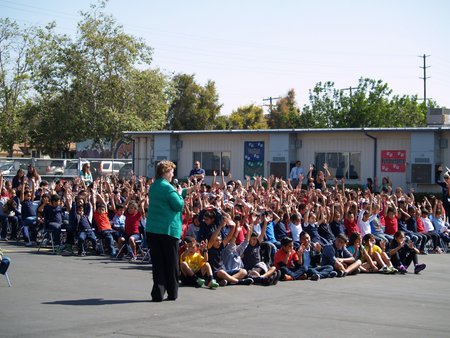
{"points": [[164, 251]]}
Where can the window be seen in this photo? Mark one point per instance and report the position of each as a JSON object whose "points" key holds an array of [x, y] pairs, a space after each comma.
{"points": [[217, 160], [341, 165]]}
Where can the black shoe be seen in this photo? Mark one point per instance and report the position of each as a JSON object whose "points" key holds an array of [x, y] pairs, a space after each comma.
{"points": [[315, 277], [245, 281], [339, 273], [276, 277]]}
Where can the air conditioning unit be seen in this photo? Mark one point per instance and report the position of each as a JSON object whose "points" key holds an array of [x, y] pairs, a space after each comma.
{"points": [[421, 173], [438, 116]]}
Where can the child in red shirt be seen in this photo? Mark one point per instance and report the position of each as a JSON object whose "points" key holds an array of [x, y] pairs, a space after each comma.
{"points": [[390, 220], [350, 224], [287, 261], [133, 215]]}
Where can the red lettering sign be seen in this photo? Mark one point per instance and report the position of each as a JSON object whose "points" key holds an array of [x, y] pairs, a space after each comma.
{"points": [[393, 161]]}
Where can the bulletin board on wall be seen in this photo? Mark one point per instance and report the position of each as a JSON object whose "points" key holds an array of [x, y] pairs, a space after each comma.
{"points": [[254, 158]]}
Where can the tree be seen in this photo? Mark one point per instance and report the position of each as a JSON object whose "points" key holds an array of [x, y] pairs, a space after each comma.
{"points": [[192, 106], [371, 104], [248, 117], [222, 122], [324, 104], [98, 84], [286, 112], [14, 82]]}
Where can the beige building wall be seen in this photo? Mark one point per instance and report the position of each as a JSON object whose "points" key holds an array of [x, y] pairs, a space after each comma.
{"points": [[303, 146]]}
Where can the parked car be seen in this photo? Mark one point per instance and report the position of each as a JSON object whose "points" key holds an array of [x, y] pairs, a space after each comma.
{"points": [[102, 168], [126, 170], [56, 167], [7, 169], [72, 169]]}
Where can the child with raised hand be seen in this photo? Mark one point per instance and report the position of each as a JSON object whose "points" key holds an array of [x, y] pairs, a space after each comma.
{"points": [[216, 249], [195, 269]]}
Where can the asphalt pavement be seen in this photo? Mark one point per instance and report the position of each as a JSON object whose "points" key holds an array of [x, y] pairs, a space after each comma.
{"points": [[94, 296]]}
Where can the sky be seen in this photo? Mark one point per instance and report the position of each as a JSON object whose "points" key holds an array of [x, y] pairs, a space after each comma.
{"points": [[256, 49]]}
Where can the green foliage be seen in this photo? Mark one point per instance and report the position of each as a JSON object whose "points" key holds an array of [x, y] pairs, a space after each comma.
{"points": [[248, 117], [222, 122], [371, 104], [14, 82], [192, 106], [95, 86], [286, 113]]}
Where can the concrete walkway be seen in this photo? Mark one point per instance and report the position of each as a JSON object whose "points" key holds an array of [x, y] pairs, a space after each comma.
{"points": [[93, 296]]}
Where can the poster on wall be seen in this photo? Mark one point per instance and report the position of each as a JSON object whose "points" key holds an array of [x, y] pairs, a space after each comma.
{"points": [[393, 161], [254, 158]]}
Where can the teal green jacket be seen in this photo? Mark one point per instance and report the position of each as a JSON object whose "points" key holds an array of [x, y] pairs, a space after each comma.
{"points": [[164, 209]]}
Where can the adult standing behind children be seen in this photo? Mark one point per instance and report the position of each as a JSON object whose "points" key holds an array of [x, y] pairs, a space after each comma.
{"points": [[296, 175], [164, 229], [197, 173]]}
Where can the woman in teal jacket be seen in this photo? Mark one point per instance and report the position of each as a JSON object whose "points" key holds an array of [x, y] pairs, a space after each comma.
{"points": [[163, 229]]}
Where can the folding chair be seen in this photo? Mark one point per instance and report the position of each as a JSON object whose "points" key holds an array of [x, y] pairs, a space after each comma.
{"points": [[48, 234], [4, 269], [7, 279]]}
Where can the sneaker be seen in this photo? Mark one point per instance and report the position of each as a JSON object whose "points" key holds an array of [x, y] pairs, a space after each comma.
{"points": [[315, 277], [213, 284], [423, 252], [332, 274], [384, 269], [419, 267], [245, 281], [3, 239], [223, 282], [262, 280], [438, 250], [341, 273], [402, 269], [200, 282], [303, 277], [276, 277], [29, 244], [392, 270]]}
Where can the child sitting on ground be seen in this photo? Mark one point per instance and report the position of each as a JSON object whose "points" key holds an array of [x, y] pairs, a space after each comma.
{"points": [[377, 254], [219, 250], [195, 269], [288, 261]]}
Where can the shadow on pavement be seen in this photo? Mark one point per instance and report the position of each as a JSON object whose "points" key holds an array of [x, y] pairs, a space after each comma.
{"points": [[95, 302]]}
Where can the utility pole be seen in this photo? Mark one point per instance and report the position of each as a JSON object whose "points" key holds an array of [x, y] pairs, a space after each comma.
{"points": [[425, 77], [350, 89], [270, 99]]}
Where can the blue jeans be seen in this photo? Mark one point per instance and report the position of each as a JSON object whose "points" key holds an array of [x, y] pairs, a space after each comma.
{"points": [[30, 223], [322, 271], [4, 265], [295, 272], [4, 225], [84, 236], [107, 236], [55, 229]]}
